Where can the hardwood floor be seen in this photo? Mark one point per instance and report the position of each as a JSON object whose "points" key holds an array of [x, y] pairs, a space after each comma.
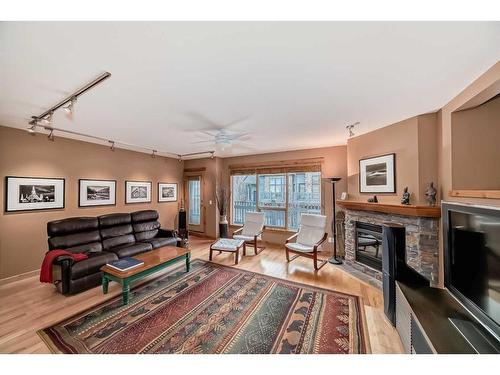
{"points": [[26, 305]]}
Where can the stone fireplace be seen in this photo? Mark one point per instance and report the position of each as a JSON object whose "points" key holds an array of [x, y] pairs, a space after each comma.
{"points": [[422, 236]]}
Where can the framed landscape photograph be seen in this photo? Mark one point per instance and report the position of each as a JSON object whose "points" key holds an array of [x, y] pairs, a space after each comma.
{"points": [[377, 174], [137, 191], [96, 193], [167, 192], [33, 193]]}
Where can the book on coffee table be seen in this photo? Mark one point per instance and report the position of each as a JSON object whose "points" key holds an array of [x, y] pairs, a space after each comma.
{"points": [[125, 264]]}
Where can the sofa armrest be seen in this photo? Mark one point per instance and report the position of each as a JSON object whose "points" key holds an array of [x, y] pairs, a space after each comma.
{"points": [[167, 233], [64, 264]]}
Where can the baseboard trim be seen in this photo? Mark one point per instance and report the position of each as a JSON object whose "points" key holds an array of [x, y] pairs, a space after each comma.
{"points": [[19, 276]]}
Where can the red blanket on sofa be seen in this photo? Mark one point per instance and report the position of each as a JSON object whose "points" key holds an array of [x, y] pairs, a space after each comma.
{"points": [[46, 269]]}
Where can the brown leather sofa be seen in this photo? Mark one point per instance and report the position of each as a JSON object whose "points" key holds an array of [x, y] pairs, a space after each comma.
{"points": [[103, 239]]}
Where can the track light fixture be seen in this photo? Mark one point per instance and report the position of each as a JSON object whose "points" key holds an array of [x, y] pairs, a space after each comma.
{"points": [[69, 108], [46, 120], [212, 155], [51, 135], [153, 154], [112, 148], [67, 103], [350, 128], [179, 158], [31, 129]]}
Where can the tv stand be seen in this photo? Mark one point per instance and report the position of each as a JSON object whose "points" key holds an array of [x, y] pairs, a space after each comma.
{"points": [[430, 320], [475, 335]]}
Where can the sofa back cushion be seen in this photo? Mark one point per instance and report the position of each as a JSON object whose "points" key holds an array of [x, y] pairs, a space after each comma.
{"points": [[75, 234], [116, 230], [145, 224]]}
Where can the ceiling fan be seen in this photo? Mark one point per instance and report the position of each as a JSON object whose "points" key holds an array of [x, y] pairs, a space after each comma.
{"points": [[221, 135]]}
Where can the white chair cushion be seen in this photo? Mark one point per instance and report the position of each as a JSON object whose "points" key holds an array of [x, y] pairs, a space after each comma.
{"points": [[254, 223], [312, 229], [244, 238], [299, 247]]}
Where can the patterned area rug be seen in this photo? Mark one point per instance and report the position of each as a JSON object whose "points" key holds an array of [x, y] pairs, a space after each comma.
{"points": [[215, 309]]}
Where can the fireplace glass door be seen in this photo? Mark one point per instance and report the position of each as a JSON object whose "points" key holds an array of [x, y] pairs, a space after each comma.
{"points": [[369, 245]]}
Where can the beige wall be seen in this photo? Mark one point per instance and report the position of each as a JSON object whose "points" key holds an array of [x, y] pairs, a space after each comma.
{"points": [[23, 237], [414, 141], [476, 147]]}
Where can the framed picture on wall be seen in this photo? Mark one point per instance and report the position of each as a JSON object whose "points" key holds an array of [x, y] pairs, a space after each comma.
{"points": [[377, 174], [167, 192], [96, 193], [33, 193], [138, 191]]}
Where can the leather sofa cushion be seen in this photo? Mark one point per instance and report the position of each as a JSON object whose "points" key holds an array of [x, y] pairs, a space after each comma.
{"points": [[144, 215], [131, 249], [116, 231], [75, 239], [72, 225], [114, 219], [93, 247], [159, 242], [146, 226], [91, 265], [110, 243]]}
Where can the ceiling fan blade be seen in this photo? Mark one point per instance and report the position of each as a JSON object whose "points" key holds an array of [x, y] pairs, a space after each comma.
{"points": [[241, 119], [202, 142], [241, 137], [204, 119]]}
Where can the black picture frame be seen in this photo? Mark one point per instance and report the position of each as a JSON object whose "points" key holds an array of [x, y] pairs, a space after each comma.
{"points": [[140, 182], [6, 195], [94, 205], [391, 177], [176, 191]]}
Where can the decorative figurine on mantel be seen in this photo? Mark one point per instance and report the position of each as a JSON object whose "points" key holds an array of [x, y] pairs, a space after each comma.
{"points": [[373, 200], [430, 194], [406, 197]]}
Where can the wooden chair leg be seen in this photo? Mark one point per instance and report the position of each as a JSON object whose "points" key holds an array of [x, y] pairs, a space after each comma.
{"points": [[287, 255], [236, 255], [210, 254], [244, 249], [315, 260]]}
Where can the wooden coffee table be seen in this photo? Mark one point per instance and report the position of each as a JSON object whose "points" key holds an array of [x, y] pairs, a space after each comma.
{"points": [[154, 261]]}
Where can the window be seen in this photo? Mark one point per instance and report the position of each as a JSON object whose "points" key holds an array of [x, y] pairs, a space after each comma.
{"points": [[244, 197], [283, 197]]}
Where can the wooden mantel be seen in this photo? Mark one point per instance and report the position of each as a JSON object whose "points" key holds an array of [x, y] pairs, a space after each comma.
{"points": [[396, 209]]}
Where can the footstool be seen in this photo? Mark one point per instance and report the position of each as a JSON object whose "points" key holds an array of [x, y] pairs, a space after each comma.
{"points": [[227, 244]]}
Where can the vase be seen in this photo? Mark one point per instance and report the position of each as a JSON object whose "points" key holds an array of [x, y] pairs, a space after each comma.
{"points": [[223, 227]]}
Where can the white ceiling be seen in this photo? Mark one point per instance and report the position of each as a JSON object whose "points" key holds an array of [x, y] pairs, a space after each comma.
{"points": [[298, 84]]}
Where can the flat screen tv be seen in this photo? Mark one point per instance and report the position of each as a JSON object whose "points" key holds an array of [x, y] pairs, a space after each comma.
{"points": [[472, 261]]}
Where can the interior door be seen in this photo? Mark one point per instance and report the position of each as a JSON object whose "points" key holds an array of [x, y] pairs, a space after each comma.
{"points": [[194, 203]]}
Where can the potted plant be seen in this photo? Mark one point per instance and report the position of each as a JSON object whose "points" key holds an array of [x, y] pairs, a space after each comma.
{"points": [[222, 200]]}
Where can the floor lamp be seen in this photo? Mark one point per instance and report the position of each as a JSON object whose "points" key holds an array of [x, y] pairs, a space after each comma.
{"points": [[333, 259]]}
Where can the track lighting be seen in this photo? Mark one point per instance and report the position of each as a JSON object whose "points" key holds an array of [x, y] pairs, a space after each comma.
{"points": [[51, 135], [180, 158], [212, 155], [153, 154], [69, 108], [112, 148], [32, 129], [47, 120], [350, 128]]}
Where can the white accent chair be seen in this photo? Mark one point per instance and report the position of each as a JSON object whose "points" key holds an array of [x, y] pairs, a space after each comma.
{"points": [[311, 234], [251, 232]]}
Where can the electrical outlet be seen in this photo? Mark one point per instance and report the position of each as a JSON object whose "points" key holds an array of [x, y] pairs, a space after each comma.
{"points": [[210, 202]]}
